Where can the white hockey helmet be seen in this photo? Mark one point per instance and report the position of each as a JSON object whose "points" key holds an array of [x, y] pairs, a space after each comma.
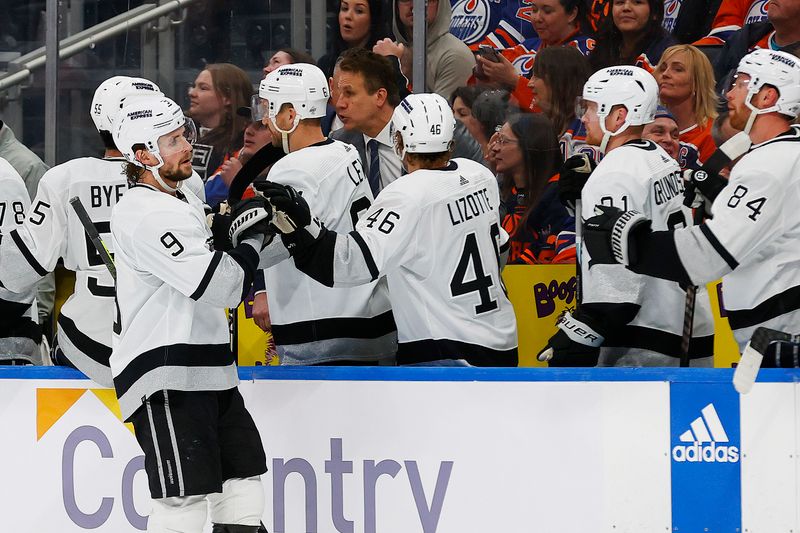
{"points": [[629, 86], [143, 121], [425, 123], [112, 95], [300, 84], [776, 68]]}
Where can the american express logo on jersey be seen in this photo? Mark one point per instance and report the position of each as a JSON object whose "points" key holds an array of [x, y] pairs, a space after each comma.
{"points": [[705, 448]]}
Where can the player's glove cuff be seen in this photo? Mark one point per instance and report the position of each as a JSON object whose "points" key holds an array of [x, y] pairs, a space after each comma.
{"points": [[576, 343], [572, 177], [250, 219], [610, 235]]}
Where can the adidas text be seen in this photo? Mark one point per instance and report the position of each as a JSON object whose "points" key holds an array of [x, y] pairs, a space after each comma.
{"points": [[708, 453]]}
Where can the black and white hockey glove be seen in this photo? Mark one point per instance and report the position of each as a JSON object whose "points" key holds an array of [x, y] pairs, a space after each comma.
{"points": [[701, 188], [219, 221], [251, 218], [572, 177], [610, 235], [577, 342], [292, 217]]}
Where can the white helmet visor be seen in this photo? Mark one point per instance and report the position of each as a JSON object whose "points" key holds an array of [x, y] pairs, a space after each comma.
{"points": [[178, 140]]}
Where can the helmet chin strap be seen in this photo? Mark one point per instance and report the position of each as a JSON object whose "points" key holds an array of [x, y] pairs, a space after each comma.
{"points": [[155, 170], [608, 134], [284, 133], [754, 111]]}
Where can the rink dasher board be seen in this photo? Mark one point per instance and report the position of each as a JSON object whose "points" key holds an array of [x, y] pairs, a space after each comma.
{"points": [[439, 450]]}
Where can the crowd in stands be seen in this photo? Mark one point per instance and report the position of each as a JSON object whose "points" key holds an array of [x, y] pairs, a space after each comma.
{"points": [[512, 87]]}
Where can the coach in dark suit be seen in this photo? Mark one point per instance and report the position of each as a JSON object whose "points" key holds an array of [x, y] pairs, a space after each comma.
{"points": [[367, 96]]}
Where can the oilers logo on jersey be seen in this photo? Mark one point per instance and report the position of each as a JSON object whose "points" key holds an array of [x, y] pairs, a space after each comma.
{"points": [[757, 12], [470, 20], [671, 10], [524, 64]]}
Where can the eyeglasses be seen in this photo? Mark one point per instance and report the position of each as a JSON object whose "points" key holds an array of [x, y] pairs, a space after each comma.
{"points": [[502, 140]]}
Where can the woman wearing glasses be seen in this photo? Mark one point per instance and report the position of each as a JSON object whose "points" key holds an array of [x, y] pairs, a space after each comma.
{"points": [[527, 158]]}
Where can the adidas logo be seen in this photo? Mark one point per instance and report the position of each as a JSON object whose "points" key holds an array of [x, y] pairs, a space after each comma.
{"points": [[705, 435], [463, 181]]}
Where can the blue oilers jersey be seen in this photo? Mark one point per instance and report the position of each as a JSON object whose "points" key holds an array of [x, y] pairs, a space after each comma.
{"points": [[500, 24]]}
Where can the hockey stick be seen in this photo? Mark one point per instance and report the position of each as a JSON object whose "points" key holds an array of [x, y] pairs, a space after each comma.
{"points": [[753, 355], [734, 147], [94, 236], [265, 157]]}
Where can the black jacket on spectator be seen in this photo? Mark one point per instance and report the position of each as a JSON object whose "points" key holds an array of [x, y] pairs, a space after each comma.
{"points": [[737, 46]]}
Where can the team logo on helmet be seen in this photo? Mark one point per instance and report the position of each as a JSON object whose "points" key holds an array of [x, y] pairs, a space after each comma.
{"points": [[757, 12], [470, 20]]}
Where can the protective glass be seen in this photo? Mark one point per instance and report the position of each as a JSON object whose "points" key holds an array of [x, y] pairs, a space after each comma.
{"points": [[739, 81], [169, 144]]}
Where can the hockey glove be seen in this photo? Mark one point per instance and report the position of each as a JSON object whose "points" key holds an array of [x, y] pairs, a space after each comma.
{"points": [[292, 216], [701, 188], [220, 222], [610, 235], [573, 176], [251, 219], [577, 342]]}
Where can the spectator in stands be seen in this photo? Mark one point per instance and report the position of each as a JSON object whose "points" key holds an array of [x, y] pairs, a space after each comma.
{"points": [[360, 23], [557, 79], [527, 157], [256, 136], [217, 93], [664, 132], [731, 16], [491, 109], [461, 101], [449, 61], [286, 56], [31, 169], [632, 35], [368, 95], [557, 23], [686, 88]]}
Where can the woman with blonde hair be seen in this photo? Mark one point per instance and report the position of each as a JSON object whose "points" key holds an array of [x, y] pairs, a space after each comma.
{"points": [[217, 93], [686, 88]]}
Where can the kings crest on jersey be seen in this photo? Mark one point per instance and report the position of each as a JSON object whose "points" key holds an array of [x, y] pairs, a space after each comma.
{"points": [[500, 24]]}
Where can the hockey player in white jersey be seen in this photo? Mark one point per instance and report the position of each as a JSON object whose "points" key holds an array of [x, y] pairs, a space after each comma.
{"points": [[312, 323], [51, 231], [174, 372], [752, 239], [434, 233], [626, 319], [20, 333]]}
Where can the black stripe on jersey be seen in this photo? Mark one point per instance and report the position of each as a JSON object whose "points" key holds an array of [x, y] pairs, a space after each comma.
{"points": [[790, 135], [97, 351], [99, 290], [373, 268], [643, 144], [187, 355], [334, 328], [782, 303], [505, 246], [723, 253], [424, 351], [26, 253], [659, 341], [203, 285]]}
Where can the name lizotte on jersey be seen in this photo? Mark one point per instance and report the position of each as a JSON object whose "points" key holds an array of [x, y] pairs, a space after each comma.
{"points": [[469, 206]]}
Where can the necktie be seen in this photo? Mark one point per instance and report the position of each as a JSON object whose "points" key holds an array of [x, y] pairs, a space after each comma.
{"points": [[374, 176]]}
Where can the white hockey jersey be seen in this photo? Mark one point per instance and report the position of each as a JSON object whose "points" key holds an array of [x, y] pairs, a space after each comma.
{"points": [[52, 231], [313, 323], [436, 236], [753, 240], [171, 331], [639, 175], [19, 328]]}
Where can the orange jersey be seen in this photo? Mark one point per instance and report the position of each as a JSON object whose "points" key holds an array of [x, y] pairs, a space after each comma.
{"points": [[700, 139], [731, 16]]}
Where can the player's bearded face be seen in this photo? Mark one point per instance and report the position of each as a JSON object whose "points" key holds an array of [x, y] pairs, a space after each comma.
{"points": [[594, 135], [176, 151], [736, 95]]}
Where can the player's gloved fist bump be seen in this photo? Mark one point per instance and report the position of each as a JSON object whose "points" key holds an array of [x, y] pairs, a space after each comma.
{"points": [[291, 210], [573, 176], [576, 343], [609, 236], [250, 218]]}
